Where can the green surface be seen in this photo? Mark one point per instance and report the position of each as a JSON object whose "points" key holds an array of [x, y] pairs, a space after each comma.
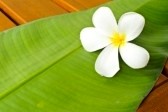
{"points": [[43, 67]]}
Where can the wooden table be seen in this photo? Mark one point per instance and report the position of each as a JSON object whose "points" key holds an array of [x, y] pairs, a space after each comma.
{"points": [[16, 12]]}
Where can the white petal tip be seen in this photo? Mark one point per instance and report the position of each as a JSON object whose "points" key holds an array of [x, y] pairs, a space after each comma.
{"points": [[104, 20], [135, 56], [107, 73], [107, 63], [131, 24], [144, 63], [92, 39], [88, 50], [103, 7]]}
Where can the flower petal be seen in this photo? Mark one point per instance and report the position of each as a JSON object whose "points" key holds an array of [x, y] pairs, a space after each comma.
{"points": [[107, 63], [131, 24], [93, 40], [104, 20], [134, 56]]}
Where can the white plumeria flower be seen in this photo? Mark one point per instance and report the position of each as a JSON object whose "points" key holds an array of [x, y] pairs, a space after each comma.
{"points": [[115, 38]]}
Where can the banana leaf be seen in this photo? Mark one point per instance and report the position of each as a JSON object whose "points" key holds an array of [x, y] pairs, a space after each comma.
{"points": [[44, 68]]}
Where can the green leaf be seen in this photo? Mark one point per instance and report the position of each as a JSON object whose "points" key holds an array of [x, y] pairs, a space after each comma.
{"points": [[43, 67]]}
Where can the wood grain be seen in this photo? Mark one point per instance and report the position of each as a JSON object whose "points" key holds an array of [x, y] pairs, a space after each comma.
{"points": [[165, 70], [157, 100], [69, 5], [5, 22], [160, 80], [24, 11], [92, 3], [76, 5]]}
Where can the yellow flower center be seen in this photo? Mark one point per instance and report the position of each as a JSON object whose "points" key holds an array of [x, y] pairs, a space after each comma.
{"points": [[118, 39]]}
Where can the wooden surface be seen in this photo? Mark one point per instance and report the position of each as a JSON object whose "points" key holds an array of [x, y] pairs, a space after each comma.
{"points": [[165, 70], [5, 22], [76, 5], [157, 100], [23, 11], [16, 12]]}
